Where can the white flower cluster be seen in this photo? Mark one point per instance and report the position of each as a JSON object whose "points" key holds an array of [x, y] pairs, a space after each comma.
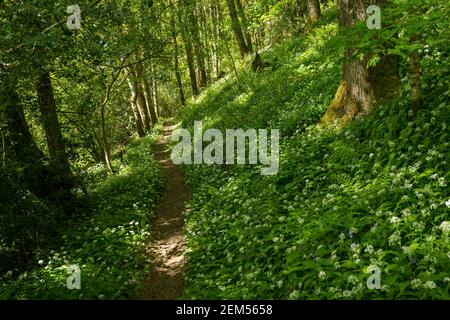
{"points": [[445, 227]]}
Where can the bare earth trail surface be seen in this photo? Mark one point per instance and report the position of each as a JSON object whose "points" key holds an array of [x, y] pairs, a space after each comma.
{"points": [[166, 249]]}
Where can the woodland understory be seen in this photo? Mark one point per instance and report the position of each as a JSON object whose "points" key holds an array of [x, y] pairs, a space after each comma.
{"points": [[86, 179]]}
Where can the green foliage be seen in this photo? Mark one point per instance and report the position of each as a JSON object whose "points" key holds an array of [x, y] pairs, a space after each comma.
{"points": [[106, 241], [374, 192]]}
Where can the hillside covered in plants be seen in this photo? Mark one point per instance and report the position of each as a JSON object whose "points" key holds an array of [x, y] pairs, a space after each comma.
{"points": [[96, 204]]}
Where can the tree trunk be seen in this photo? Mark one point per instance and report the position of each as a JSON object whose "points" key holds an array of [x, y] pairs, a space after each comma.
{"points": [[243, 17], [22, 145], [360, 87], [155, 89], [313, 10], [138, 96], [144, 90], [414, 78], [149, 102], [215, 56], [52, 128], [197, 44], [205, 40], [142, 106], [175, 57], [105, 142], [189, 53], [51, 182], [140, 129], [96, 147], [237, 29], [228, 52]]}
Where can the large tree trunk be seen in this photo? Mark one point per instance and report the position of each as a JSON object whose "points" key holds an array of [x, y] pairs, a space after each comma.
{"points": [[149, 102], [142, 105], [228, 51], [360, 86], [62, 180], [51, 182], [237, 29], [52, 128], [313, 10]]}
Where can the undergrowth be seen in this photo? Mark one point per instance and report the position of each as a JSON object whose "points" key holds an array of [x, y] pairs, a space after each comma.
{"points": [[372, 193], [106, 241]]}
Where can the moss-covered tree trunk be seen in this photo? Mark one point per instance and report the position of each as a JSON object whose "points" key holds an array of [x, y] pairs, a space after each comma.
{"points": [[360, 86], [313, 10]]}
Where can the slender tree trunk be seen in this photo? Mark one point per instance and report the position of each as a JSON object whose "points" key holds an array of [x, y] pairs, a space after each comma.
{"points": [[415, 79], [215, 56], [197, 44], [149, 102], [237, 29], [313, 10], [105, 142], [205, 37], [140, 129], [175, 57], [155, 89], [3, 148], [135, 76], [230, 56], [144, 90], [243, 17], [189, 52]]}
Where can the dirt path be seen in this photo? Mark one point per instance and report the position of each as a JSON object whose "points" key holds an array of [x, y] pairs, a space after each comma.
{"points": [[166, 250]]}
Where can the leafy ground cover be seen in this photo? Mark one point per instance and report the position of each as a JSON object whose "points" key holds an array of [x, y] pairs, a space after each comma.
{"points": [[106, 241], [371, 193]]}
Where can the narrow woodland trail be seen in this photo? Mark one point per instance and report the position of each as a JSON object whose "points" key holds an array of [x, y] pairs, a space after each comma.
{"points": [[166, 250]]}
